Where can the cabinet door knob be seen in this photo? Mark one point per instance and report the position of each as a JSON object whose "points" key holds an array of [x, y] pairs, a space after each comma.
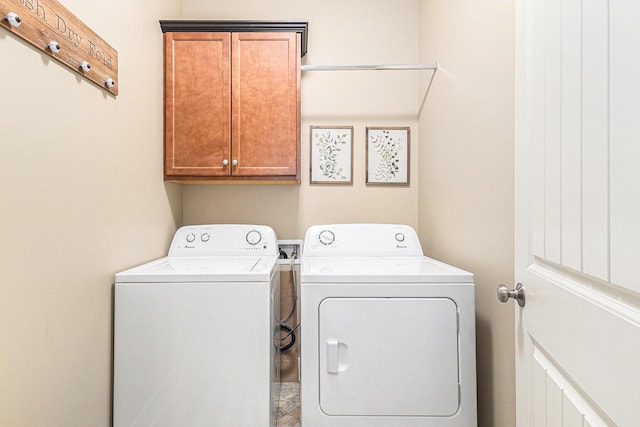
{"points": [[225, 162], [234, 162]]}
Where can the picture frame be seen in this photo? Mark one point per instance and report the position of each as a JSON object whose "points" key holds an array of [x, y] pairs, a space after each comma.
{"points": [[331, 155], [388, 156]]}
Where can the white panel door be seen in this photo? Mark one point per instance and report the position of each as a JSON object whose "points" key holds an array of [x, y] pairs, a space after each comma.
{"points": [[578, 212]]}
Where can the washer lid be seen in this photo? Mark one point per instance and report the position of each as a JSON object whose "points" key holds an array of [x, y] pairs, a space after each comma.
{"points": [[201, 269], [380, 270]]}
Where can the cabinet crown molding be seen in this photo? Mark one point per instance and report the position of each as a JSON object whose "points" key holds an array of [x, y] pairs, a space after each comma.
{"points": [[238, 26]]}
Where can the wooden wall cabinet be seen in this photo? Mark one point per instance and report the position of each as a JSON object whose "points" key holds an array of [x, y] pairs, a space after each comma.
{"points": [[231, 103]]}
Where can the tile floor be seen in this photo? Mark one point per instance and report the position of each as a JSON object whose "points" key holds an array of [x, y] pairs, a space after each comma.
{"points": [[289, 407]]}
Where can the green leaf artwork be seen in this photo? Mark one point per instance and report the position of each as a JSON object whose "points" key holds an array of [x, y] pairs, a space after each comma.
{"points": [[329, 147], [388, 149]]}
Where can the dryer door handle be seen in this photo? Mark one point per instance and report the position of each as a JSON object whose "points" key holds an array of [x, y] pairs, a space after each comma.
{"points": [[332, 356]]}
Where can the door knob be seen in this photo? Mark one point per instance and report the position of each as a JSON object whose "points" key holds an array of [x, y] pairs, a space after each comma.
{"points": [[234, 162], [517, 294], [225, 162]]}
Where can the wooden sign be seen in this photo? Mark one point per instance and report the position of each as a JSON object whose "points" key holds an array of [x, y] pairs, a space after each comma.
{"points": [[50, 27]]}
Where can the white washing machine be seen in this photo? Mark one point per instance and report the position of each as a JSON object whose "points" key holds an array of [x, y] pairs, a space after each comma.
{"points": [[194, 332], [388, 335]]}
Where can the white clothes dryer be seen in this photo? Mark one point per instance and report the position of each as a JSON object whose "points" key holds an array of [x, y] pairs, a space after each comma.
{"points": [[388, 335], [194, 332]]}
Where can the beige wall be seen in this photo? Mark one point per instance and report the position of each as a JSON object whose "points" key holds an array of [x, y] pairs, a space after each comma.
{"points": [[340, 32], [466, 173], [82, 197]]}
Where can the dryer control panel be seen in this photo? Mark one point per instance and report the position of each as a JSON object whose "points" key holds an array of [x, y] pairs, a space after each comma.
{"points": [[361, 240], [224, 240]]}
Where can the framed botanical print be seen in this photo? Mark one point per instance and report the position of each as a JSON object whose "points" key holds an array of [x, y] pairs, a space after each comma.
{"points": [[387, 155], [331, 155]]}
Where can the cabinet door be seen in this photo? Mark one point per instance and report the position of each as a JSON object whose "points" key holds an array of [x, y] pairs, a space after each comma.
{"points": [[266, 104], [197, 104]]}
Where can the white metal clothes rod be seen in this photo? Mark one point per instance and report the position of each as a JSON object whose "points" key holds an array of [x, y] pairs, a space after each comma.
{"points": [[396, 67]]}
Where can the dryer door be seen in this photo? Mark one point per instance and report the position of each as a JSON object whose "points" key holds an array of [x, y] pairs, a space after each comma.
{"points": [[389, 356]]}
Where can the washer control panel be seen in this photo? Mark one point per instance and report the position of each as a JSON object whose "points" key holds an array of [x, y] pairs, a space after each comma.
{"points": [[361, 240], [224, 239]]}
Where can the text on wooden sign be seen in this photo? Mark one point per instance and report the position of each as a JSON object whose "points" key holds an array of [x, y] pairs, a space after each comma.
{"points": [[50, 27]]}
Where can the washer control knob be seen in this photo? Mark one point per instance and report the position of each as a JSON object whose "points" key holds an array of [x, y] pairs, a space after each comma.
{"points": [[400, 237], [327, 237], [205, 237], [191, 237], [253, 237]]}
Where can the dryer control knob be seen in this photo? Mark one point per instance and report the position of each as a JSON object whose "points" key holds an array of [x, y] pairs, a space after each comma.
{"points": [[326, 237], [205, 237], [191, 237], [400, 237]]}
